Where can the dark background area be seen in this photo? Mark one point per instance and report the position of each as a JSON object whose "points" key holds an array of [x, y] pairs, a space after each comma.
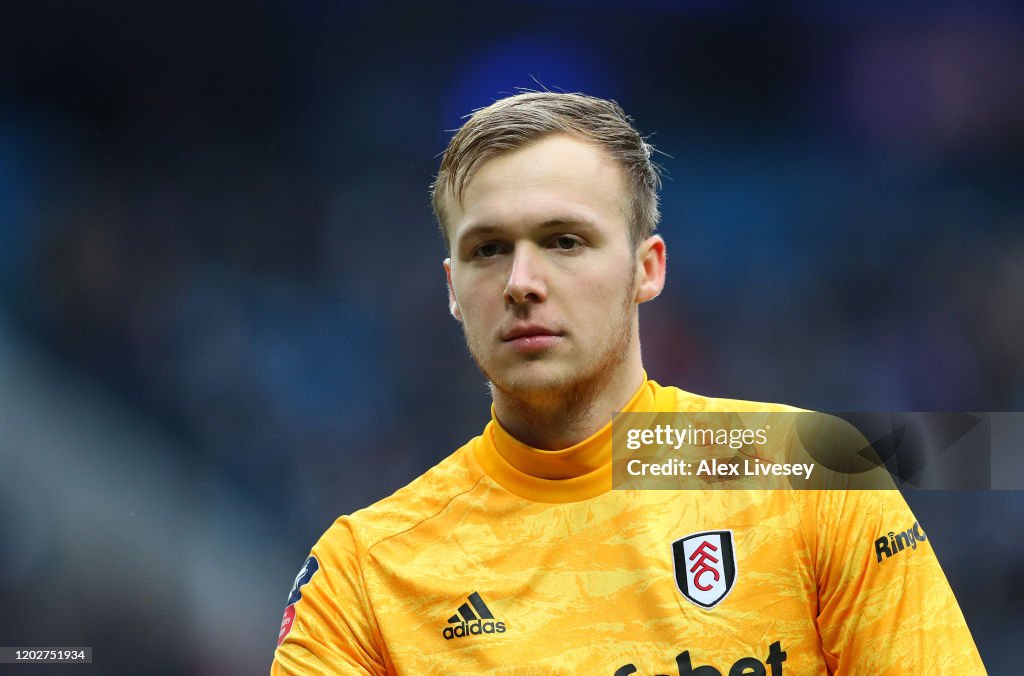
{"points": [[222, 311]]}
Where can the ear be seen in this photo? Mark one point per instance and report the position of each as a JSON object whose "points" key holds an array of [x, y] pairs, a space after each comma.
{"points": [[650, 269], [453, 303]]}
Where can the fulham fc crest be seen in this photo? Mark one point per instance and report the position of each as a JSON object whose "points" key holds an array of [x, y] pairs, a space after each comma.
{"points": [[705, 566]]}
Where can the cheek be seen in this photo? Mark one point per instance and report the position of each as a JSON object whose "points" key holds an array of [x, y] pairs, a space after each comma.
{"points": [[479, 294], [476, 313], [606, 293], [596, 309]]}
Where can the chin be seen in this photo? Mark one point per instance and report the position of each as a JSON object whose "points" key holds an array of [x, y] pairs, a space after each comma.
{"points": [[533, 378], [540, 379]]}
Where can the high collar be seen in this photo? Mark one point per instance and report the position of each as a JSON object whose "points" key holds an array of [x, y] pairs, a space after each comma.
{"points": [[571, 474]]}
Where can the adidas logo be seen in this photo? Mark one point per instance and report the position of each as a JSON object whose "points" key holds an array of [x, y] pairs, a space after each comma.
{"points": [[474, 618]]}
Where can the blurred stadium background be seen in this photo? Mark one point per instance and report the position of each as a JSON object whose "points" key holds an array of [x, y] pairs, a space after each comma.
{"points": [[222, 311]]}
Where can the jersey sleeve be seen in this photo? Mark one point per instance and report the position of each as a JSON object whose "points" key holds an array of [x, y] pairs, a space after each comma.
{"points": [[328, 626], [884, 605]]}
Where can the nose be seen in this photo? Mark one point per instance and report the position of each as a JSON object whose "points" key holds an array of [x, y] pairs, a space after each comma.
{"points": [[525, 279]]}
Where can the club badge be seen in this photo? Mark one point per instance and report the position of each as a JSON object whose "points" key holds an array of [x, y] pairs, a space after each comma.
{"points": [[705, 567]]}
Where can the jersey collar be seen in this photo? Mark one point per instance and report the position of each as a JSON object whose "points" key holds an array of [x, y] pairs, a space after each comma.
{"points": [[576, 473]]}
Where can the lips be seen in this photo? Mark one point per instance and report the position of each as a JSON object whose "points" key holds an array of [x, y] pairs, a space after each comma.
{"points": [[528, 331], [531, 339]]}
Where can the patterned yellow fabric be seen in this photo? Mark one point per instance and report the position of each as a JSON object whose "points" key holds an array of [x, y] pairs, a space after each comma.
{"points": [[504, 559]]}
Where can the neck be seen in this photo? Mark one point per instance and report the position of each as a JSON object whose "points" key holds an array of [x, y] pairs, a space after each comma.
{"points": [[563, 417]]}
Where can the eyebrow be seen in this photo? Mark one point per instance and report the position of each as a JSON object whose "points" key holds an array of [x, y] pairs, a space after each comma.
{"points": [[484, 229]]}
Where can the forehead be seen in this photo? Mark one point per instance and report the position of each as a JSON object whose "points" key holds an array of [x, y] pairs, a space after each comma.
{"points": [[556, 177]]}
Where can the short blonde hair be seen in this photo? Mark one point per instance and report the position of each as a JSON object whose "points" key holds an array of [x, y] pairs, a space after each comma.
{"points": [[515, 121]]}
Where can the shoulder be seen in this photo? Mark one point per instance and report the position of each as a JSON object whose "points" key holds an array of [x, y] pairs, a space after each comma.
{"points": [[329, 624], [688, 402], [420, 500]]}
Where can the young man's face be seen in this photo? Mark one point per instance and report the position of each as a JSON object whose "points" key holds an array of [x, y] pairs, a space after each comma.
{"points": [[542, 274]]}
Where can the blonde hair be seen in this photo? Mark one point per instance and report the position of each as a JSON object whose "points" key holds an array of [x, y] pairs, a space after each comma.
{"points": [[515, 121]]}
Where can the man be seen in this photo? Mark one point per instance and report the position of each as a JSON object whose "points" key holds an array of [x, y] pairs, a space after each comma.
{"points": [[513, 555]]}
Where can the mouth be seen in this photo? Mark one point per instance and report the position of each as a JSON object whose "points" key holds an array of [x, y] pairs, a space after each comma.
{"points": [[531, 337]]}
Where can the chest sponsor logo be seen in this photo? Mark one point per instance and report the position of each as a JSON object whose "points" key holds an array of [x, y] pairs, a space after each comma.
{"points": [[745, 666], [705, 567]]}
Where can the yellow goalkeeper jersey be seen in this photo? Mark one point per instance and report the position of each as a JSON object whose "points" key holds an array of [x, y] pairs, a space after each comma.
{"points": [[504, 559]]}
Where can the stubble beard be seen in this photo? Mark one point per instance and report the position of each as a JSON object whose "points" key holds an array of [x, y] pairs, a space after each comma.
{"points": [[567, 397]]}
